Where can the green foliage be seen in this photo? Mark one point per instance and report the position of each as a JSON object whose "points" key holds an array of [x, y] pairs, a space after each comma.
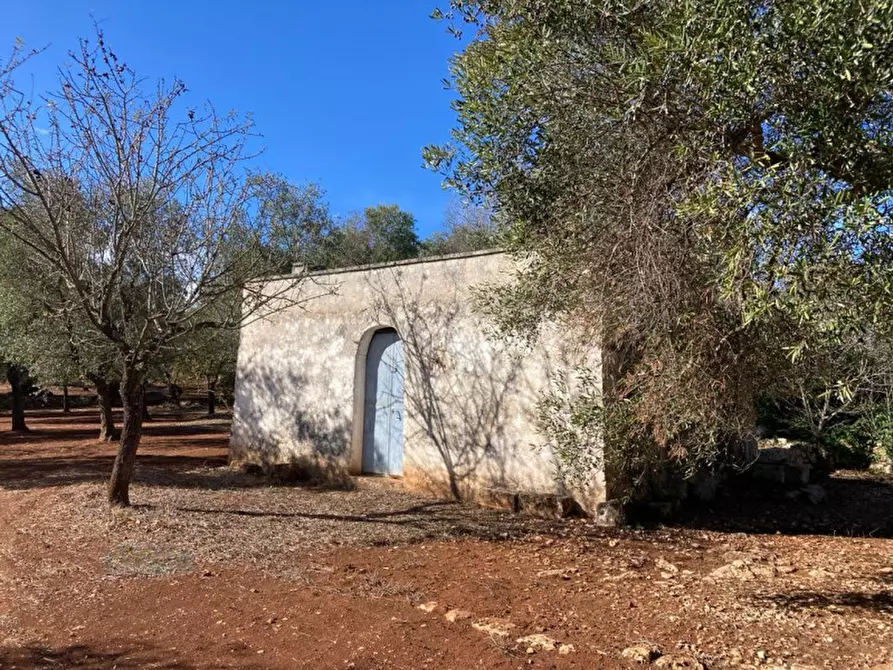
{"points": [[208, 357], [301, 229], [857, 442], [391, 232], [381, 234], [704, 186], [850, 445], [57, 347], [881, 430], [577, 422], [467, 229]]}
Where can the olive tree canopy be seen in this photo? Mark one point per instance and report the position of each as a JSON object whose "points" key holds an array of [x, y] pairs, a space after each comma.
{"points": [[705, 185]]}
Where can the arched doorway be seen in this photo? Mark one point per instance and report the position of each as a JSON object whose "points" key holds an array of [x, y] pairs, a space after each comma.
{"points": [[383, 405]]}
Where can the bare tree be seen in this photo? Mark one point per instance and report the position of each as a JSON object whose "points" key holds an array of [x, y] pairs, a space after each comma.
{"points": [[140, 208]]}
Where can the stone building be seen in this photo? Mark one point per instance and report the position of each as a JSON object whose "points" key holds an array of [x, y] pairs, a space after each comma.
{"points": [[388, 370]]}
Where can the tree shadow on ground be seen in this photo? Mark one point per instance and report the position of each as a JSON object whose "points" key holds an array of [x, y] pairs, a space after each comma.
{"points": [[40, 435], [867, 603], [153, 470], [856, 504], [424, 520], [433, 511], [48, 418], [63, 450], [163, 419], [81, 656]]}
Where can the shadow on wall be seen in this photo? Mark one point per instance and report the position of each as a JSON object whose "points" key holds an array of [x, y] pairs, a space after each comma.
{"points": [[460, 391], [470, 403], [282, 438]]}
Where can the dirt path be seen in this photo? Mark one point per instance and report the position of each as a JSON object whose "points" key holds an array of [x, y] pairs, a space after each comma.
{"points": [[216, 569]]}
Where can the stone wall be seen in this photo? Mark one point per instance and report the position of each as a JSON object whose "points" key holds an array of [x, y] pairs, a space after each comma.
{"points": [[470, 401]]}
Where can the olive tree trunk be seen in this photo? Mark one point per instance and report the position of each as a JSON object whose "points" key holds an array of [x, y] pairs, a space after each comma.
{"points": [[66, 404], [104, 397], [145, 407], [133, 394], [212, 396], [15, 375]]}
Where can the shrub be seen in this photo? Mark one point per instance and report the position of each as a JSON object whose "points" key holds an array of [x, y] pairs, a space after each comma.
{"points": [[849, 445], [856, 444]]}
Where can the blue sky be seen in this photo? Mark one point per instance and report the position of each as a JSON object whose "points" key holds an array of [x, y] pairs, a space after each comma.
{"points": [[345, 93]]}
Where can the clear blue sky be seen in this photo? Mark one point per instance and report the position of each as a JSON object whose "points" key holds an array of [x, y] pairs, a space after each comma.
{"points": [[345, 92]]}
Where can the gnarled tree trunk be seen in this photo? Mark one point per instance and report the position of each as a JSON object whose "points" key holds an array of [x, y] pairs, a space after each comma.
{"points": [[16, 375], [104, 395], [66, 405], [133, 397]]}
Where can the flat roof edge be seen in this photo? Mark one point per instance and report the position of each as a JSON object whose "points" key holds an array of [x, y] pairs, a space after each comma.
{"points": [[390, 264]]}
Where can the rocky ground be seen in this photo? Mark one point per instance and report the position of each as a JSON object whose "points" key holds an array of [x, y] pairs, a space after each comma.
{"points": [[216, 569]]}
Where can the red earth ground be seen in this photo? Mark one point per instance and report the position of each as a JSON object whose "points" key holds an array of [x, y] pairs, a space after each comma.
{"points": [[217, 569]]}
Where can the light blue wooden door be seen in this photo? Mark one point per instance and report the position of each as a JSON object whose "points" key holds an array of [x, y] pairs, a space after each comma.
{"points": [[383, 410]]}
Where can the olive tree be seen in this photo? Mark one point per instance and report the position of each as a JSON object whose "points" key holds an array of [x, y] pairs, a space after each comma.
{"points": [[16, 376], [381, 234], [302, 231], [467, 228], [57, 347], [210, 357], [703, 186], [139, 209]]}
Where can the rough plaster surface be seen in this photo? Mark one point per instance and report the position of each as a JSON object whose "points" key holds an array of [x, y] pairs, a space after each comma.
{"points": [[470, 401]]}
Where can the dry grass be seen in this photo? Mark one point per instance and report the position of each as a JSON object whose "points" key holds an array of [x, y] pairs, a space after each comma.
{"points": [[213, 516], [375, 586], [505, 645], [129, 559]]}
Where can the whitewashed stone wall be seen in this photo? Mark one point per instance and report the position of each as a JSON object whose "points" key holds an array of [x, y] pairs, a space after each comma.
{"points": [[470, 401]]}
